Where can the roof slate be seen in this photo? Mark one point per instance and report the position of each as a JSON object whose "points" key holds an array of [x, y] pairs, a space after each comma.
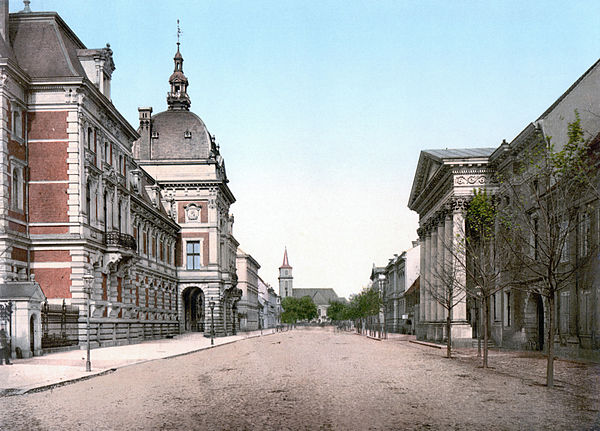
{"points": [[172, 143], [44, 47], [460, 153], [319, 296]]}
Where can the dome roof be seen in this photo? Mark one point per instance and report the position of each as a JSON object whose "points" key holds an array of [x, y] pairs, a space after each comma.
{"points": [[179, 134]]}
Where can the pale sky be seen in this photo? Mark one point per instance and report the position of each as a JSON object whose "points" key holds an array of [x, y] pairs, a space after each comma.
{"points": [[322, 107]]}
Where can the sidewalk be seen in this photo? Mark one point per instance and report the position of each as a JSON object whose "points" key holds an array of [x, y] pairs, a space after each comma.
{"points": [[40, 372]]}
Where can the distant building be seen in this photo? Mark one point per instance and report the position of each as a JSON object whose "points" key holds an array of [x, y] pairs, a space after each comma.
{"points": [[248, 308], [321, 297], [286, 279], [270, 303], [399, 274]]}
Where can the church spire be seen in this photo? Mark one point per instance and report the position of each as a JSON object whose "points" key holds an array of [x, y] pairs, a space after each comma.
{"points": [[177, 98], [285, 264]]}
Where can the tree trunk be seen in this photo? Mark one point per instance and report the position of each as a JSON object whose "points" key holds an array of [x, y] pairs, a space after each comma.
{"points": [[448, 337], [550, 343], [486, 303], [478, 323]]}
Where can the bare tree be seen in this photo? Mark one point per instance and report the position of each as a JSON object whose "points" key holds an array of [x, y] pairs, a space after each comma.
{"points": [[468, 263], [546, 194]]}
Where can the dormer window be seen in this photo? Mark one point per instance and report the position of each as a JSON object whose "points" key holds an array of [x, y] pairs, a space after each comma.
{"points": [[187, 134], [154, 134]]}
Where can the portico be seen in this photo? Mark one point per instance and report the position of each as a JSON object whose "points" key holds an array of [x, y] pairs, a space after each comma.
{"points": [[443, 185]]}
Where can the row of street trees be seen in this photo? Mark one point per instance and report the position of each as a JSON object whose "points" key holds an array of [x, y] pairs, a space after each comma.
{"points": [[532, 234], [363, 306]]}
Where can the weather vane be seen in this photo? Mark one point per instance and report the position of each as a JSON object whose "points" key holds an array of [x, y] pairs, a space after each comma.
{"points": [[178, 33]]}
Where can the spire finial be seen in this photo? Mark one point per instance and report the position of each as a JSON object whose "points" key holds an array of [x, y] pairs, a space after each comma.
{"points": [[178, 34], [26, 8]]}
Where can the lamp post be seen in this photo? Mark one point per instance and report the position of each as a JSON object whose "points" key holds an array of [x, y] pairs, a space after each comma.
{"points": [[211, 304], [88, 279]]}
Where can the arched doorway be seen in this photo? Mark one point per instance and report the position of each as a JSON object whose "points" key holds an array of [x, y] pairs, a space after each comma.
{"points": [[534, 321], [193, 303]]}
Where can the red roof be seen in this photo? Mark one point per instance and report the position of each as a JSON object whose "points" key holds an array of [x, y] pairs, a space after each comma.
{"points": [[285, 263]]}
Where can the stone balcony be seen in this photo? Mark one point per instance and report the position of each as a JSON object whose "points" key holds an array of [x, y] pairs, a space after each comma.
{"points": [[120, 241]]}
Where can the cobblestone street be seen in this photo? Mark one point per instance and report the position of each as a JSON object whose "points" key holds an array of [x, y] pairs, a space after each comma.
{"points": [[311, 380]]}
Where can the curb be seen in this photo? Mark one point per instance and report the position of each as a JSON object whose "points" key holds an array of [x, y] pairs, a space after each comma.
{"points": [[42, 388], [424, 343]]}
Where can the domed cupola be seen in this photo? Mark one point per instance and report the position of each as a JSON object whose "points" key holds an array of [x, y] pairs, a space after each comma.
{"points": [[177, 98]]}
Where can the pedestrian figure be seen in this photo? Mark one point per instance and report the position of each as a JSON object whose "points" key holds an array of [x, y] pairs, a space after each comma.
{"points": [[4, 348]]}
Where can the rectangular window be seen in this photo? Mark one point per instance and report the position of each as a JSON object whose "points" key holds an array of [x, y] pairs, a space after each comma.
{"points": [[507, 309], [17, 125], [586, 312], [564, 312], [563, 239], [193, 255], [584, 234], [17, 192]]}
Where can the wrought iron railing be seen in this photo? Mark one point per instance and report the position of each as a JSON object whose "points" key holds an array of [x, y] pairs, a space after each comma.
{"points": [[120, 240]]}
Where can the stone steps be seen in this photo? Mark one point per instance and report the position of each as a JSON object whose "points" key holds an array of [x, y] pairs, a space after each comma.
{"points": [[491, 344]]}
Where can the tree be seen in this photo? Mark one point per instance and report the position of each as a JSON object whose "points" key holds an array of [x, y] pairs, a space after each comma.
{"points": [[483, 256], [363, 305], [446, 286], [298, 309], [336, 311], [307, 309], [545, 196], [289, 306]]}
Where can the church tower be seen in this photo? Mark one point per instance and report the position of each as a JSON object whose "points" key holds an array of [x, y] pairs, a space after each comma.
{"points": [[285, 277]]}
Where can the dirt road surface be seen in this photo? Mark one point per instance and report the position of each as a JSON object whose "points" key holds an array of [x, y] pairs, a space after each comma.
{"points": [[312, 380]]}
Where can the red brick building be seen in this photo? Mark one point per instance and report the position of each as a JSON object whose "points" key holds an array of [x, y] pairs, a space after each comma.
{"points": [[77, 210]]}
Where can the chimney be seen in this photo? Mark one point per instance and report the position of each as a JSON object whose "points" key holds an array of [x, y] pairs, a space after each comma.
{"points": [[143, 145], [4, 20]]}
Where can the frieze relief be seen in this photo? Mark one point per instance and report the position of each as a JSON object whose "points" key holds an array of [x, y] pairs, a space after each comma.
{"points": [[473, 180]]}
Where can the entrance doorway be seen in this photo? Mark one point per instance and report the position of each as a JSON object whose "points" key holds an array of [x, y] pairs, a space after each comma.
{"points": [[540, 316], [32, 335], [193, 303]]}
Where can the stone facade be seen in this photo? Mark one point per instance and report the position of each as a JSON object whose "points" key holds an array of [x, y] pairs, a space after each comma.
{"points": [[130, 226], [248, 308], [518, 318], [400, 273]]}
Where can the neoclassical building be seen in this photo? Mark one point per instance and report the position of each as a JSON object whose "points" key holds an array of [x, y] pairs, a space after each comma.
{"points": [[518, 315], [443, 184]]}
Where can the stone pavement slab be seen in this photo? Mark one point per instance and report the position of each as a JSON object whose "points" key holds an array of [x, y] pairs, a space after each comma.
{"points": [[39, 372]]}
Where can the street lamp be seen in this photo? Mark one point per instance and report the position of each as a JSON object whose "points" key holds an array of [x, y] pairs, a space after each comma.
{"points": [[88, 279], [211, 304]]}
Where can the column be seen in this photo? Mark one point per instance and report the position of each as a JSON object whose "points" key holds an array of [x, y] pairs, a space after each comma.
{"points": [[422, 275], [459, 311], [441, 258], [434, 281], [427, 272]]}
